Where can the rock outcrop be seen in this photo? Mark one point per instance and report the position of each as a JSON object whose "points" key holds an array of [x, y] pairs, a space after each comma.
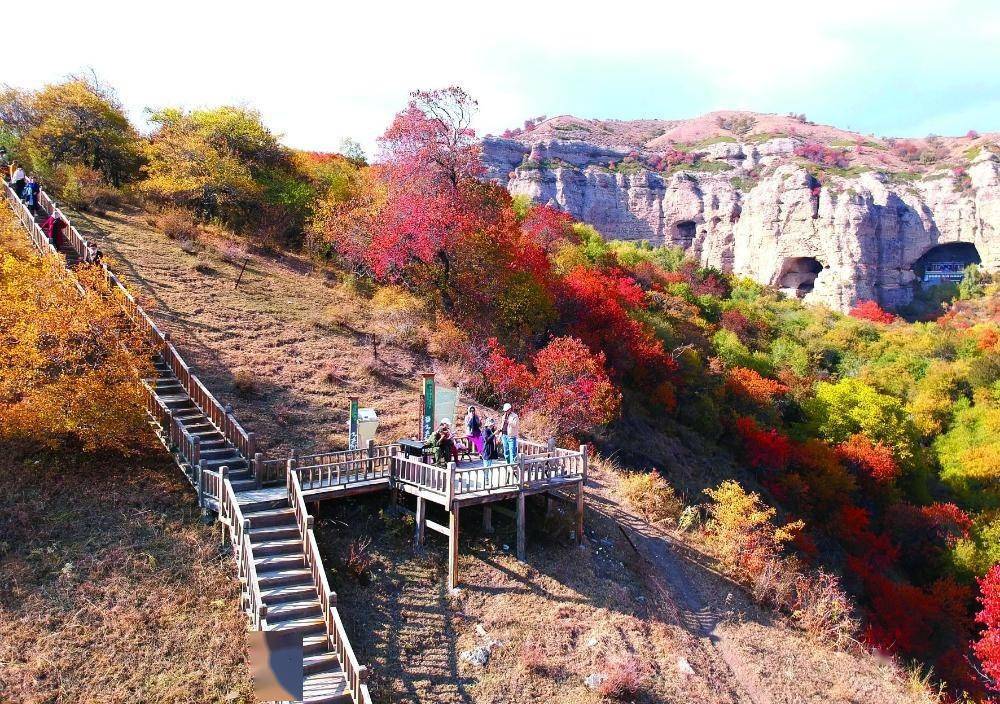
{"points": [[752, 207]]}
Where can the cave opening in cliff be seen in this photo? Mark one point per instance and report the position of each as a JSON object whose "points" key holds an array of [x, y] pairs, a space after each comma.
{"points": [[684, 233], [945, 263], [798, 275]]}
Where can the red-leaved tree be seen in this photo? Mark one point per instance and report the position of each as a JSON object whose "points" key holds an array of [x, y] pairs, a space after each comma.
{"points": [[872, 311], [987, 648], [566, 384]]}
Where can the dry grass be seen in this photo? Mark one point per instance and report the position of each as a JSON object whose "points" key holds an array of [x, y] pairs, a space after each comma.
{"points": [[111, 590], [177, 224], [649, 495]]}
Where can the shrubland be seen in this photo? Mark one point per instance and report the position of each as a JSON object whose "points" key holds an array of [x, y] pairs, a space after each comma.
{"points": [[869, 442]]}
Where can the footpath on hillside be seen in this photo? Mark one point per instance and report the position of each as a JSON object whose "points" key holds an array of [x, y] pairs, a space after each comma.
{"points": [[289, 345]]}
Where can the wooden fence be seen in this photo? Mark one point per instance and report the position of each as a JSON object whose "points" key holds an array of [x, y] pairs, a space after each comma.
{"points": [[343, 468], [354, 671]]}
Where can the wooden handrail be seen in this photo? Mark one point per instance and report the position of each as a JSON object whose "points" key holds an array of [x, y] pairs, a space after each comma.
{"points": [[355, 673]]}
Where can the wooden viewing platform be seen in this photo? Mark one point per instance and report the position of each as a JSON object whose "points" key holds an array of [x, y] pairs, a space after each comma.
{"points": [[262, 502], [539, 469]]}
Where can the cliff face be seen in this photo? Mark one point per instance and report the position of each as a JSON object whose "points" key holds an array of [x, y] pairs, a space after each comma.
{"points": [[834, 236]]}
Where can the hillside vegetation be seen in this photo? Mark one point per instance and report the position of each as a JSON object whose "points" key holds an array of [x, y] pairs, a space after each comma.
{"points": [[111, 589], [858, 487]]}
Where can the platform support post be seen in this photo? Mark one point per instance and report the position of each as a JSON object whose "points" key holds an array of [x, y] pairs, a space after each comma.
{"points": [[520, 526], [487, 519], [453, 548], [421, 528], [579, 513]]}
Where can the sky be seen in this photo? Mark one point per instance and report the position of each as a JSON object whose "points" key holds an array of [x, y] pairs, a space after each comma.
{"points": [[320, 72]]}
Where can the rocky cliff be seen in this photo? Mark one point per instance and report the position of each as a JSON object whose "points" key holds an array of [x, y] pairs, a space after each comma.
{"points": [[826, 215]]}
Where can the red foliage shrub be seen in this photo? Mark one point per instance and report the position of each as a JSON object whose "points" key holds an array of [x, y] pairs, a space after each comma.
{"points": [[871, 460], [595, 306], [907, 150], [824, 155], [763, 449], [987, 648], [872, 311], [749, 385], [972, 134], [569, 386], [671, 157], [546, 226], [623, 678]]}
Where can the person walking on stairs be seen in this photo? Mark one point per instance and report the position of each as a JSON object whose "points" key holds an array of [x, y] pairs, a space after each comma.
{"points": [[53, 227], [30, 194], [17, 179], [510, 428]]}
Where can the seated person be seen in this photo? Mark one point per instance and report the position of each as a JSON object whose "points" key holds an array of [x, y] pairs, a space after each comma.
{"points": [[443, 443]]}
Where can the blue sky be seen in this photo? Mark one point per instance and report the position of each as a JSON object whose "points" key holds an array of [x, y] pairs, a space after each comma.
{"points": [[319, 72]]}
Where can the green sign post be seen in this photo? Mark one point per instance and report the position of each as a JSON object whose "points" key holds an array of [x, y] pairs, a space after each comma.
{"points": [[427, 421], [352, 425]]}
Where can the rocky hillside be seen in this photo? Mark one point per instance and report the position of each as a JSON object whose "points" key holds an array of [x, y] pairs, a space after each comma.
{"points": [[825, 214]]}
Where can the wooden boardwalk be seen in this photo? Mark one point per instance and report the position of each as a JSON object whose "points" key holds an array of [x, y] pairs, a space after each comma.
{"points": [[262, 502]]}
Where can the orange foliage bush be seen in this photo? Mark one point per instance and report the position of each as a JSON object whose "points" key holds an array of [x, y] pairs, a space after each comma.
{"points": [[64, 378], [871, 460], [750, 385]]}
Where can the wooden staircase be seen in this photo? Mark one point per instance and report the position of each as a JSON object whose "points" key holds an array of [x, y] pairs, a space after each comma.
{"points": [[289, 594], [283, 581], [215, 449]]}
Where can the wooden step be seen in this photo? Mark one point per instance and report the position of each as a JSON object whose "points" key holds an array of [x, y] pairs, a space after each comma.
{"points": [[234, 463], [320, 662], [293, 611], [220, 453], [269, 563], [288, 592], [313, 625], [326, 688], [276, 547], [283, 516], [287, 577], [311, 645], [244, 483], [273, 533]]}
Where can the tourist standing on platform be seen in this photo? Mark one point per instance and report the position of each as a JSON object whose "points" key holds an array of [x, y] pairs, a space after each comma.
{"points": [[474, 430], [491, 443], [510, 428]]}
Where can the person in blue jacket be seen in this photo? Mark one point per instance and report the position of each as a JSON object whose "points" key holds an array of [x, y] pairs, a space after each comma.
{"points": [[29, 194]]}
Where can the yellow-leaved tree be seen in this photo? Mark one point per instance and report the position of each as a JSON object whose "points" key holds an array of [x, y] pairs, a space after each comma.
{"points": [[68, 364]]}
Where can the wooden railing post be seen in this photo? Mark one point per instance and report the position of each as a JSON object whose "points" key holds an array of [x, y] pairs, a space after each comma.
{"points": [[451, 483], [583, 453], [201, 469], [520, 471], [258, 468], [292, 461], [251, 444]]}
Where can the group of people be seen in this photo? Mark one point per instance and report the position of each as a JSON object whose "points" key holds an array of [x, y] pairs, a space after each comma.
{"points": [[28, 190], [491, 439]]}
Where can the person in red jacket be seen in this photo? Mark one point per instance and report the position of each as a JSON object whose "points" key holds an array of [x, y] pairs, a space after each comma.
{"points": [[54, 227]]}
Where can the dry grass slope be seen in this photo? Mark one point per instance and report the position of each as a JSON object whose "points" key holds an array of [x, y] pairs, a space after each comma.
{"points": [[112, 590]]}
